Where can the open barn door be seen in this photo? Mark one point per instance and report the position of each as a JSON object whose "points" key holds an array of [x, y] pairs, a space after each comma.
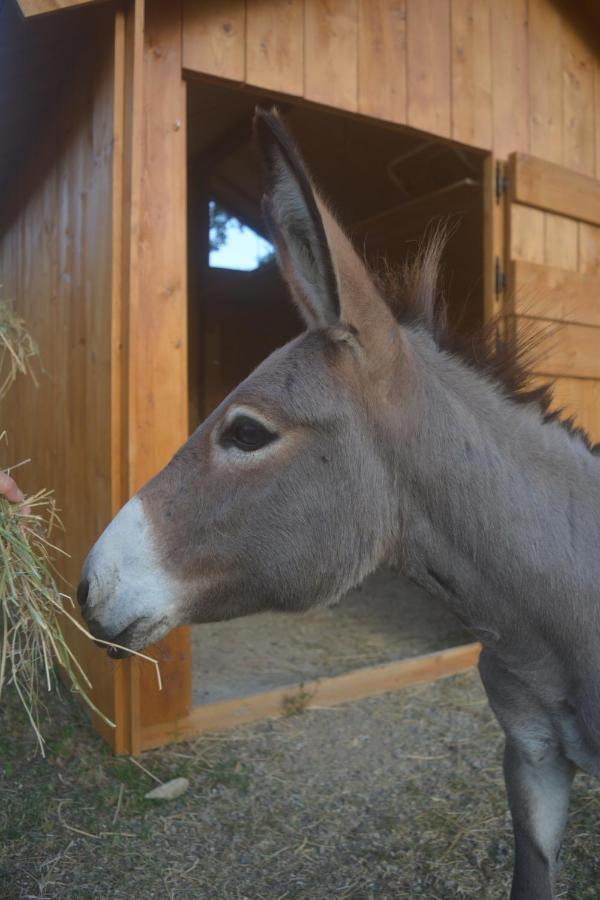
{"points": [[551, 274]]}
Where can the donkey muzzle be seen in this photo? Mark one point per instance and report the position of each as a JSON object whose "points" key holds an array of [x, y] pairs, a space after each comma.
{"points": [[124, 593]]}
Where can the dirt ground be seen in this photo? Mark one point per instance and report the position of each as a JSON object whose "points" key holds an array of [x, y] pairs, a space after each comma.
{"points": [[398, 796], [386, 618]]}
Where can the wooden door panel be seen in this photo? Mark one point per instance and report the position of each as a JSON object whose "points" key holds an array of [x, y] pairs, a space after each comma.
{"points": [[553, 270], [553, 293]]}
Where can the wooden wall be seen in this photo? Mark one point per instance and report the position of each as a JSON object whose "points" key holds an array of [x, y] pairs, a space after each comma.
{"points": [[553, 265], [55, 264], [501, 75], [92, 250]]}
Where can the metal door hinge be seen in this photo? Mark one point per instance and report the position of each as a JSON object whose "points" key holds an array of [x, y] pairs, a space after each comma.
{"points": [[501, 182], [499, 279]]}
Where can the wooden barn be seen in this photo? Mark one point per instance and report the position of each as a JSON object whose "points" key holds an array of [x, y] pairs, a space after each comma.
{"points": [[126, 147]]}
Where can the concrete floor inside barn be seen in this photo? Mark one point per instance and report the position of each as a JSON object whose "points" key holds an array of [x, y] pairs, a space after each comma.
{"points": [[385, 619]]}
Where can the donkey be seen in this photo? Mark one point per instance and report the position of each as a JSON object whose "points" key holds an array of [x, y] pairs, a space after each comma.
{"points": [[364, 441]]}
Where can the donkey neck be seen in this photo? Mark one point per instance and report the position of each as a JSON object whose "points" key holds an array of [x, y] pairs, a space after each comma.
{"points": [[498, 511]]}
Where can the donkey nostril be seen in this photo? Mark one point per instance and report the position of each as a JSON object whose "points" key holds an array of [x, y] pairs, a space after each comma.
{"points": [[83, 591]]}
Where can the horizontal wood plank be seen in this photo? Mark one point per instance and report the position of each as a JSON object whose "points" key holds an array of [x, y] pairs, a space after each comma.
{"points": [[327, 692], [548, 186], [554, 293], [39, 7]]}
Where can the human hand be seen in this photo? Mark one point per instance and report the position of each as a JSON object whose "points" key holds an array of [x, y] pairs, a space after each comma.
{"points": [[10, 489]]}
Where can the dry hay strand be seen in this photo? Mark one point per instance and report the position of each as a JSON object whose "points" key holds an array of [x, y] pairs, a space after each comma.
{"points": [[17, 348], [33, 610], [31, 605]]}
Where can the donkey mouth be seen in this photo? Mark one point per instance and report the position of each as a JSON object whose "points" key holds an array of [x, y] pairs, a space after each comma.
{"points": [[118, 642], [137, 635], [117, 652]]}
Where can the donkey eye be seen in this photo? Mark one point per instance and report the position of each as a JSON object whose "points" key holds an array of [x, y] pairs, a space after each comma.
{"points": [[247, 434]]}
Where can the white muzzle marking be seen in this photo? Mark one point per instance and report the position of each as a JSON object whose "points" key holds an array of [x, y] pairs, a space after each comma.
{"points": [[127, 583]]}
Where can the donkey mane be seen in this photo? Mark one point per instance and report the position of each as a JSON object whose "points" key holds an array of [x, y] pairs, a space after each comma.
{"points": [[414, 294]]}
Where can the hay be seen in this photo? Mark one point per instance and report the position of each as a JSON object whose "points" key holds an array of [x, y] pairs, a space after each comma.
{"points": [[32, 608], [17, 348], [31, 605]]}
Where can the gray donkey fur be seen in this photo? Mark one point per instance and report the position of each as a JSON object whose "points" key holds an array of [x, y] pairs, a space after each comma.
{"points": [[363, 441]]}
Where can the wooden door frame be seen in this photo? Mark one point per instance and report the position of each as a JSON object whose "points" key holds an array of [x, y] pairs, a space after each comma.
{"points": [[328, 691], [149, 314], [150, 348]]}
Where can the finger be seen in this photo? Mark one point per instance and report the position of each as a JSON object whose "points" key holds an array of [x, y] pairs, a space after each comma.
{"points": [[10, 489]]}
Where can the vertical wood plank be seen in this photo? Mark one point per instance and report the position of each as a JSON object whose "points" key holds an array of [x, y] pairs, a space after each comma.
{"points": [[561, 237], [198, 252], [509, 77], [578, 65], [59, 263], [275, 45], [597, 113], [158, 396], [527, 234], [331, 53], [589, 249], [117, 379], [214, 37], [77, 386], [471, 73], [428, 54], [128, 33], [545, 81], [157, 312], [382, 49]]}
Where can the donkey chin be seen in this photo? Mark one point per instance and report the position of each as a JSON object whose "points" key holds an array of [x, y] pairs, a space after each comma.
{"points": [[125, 595]]}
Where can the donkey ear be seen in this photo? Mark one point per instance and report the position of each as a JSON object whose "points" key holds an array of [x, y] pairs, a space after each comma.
{"points": [[294, 221]]}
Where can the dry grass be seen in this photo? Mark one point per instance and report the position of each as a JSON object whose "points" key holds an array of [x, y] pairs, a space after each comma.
{"points": [[31, 606], [32, 641], [397, 797], [32, 609], [17, 348]]}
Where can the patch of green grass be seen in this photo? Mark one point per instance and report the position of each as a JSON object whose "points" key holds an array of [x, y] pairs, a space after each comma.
{"points": [[135, 783], [28, 817]]}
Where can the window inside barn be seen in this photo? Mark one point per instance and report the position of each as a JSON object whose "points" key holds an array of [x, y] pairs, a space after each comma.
{"points": [[234, 245]]}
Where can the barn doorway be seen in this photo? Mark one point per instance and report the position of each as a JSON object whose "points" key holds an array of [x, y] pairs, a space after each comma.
{"points": [[388, 185]]}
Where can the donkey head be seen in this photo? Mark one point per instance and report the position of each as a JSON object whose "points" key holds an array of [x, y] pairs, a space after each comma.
{"points": [[284, 497]]}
